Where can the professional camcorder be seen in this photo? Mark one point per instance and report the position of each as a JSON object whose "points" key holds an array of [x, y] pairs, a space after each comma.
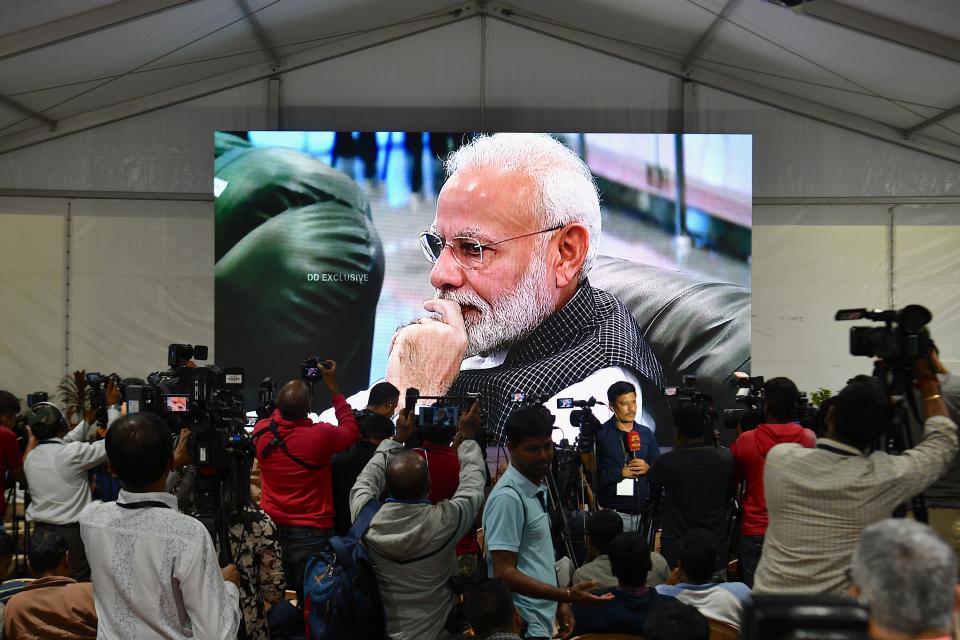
{"points": [[444, 411], [688, 393], [749, 394], [900, 342]]}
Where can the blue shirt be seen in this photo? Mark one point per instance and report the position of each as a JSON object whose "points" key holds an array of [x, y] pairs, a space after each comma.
{"points": [[515, 519], [613, 454]]}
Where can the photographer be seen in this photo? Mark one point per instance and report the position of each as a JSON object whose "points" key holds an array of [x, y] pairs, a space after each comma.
{"points": [[749, 455], [623, 468], [943, 497], [347, 465], [155, 571], [56, 463], [820, 499], [294, 456], [697, 483], [411, 541]]}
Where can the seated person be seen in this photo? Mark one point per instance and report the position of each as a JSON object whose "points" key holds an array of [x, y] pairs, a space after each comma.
{"points": [[907, 575], [347, 465], [691, 581], [54, 605], [602, 528], [155, 572], [488, 607], [633, 600], [676, 621]]}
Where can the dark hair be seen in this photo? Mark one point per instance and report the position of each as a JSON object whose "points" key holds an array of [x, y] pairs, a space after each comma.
{"points": [[820, 423], [46, 421], [138, 447], [408, 477], [46, 550], [373, 425], [381, 393], [676, 621], [438, 434], [603, 527], [698, 553], [861, 413], [488, 607], [534, 421], [618, 389], [691, 420], [630, 559], [781, 396], [8, 403]]}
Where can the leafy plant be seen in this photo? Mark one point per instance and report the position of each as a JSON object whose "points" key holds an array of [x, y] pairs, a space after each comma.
{"points": [[818, 396], [72, 393]]}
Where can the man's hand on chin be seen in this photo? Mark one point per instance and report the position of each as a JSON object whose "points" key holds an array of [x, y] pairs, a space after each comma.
{"points": [[427, 354]]}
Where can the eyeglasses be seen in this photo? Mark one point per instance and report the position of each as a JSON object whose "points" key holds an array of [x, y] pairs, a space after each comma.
{"points": [[467, 251]]}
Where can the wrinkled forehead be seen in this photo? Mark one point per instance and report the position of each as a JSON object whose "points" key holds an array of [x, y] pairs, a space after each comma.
{"points": [[486, 205]]}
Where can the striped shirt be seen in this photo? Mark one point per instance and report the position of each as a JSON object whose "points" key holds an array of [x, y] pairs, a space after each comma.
{"points": [[820, 499]]}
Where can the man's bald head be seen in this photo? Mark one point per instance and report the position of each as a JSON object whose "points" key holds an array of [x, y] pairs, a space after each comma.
{"points": [[408, 477], [294, 400]]}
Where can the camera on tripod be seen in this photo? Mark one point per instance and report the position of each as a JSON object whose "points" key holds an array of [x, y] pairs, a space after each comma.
{"points": [[749, 393], [900, 342]]}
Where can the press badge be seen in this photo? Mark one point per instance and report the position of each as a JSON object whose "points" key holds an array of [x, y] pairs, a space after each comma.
{"points": [[625, 487]]}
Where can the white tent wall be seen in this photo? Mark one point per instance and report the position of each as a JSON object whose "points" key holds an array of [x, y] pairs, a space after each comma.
{"points": [[822, 196]]}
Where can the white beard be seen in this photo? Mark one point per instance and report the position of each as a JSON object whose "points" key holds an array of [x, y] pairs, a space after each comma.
{"points": [[511, 317]]}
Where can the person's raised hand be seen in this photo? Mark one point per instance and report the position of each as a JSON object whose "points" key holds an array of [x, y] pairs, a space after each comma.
{"points": [[405, 425], [113, 395], [470, 421], [329, 375]]}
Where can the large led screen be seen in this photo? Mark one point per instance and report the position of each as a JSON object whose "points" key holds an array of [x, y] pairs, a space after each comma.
{"points": [[320, 251]]}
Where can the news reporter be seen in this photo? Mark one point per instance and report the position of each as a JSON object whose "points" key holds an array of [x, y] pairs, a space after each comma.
{"points": [[625, 452]]}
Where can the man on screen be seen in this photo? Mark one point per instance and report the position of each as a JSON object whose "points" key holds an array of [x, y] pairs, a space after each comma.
{"points": [[512, 244]]}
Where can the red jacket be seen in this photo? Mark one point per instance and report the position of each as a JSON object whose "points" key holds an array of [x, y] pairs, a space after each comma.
{"points": [[749, 454], [290, 493], [443, 465]]}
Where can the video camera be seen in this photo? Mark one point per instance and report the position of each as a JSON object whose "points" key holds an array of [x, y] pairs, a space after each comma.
{"points": [[749, 393], [688, 394], [445, 412], [900, 342]]}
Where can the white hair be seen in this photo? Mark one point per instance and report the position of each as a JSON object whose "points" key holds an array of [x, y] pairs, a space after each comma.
{"points": [[564, 189], [907, 574]]}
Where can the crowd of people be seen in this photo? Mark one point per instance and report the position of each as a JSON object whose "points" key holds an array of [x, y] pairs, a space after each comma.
{"points": [[815, 520], [455, 546]]}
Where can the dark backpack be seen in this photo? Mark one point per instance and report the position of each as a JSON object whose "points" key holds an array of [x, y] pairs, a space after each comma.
{"points": [[341, 600]]}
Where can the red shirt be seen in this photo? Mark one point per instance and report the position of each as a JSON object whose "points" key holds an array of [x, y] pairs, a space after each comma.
{"points": [[443, 464], [11, 460], [290, 493], [749, 455]]}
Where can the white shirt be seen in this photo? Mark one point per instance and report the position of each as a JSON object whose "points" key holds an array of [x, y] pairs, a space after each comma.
{"points": [[57, 475], [595, 385], [155, 573]]}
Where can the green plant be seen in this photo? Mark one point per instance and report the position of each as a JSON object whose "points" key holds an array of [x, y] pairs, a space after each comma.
{"points": [[818, 396]]}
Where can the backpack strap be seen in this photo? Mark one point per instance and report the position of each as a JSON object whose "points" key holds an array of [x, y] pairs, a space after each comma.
{"points": [[338, 544], [278, 441]]}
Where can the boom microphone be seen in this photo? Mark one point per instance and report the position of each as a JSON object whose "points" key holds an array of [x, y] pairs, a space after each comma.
{"points": [[633, 442]]}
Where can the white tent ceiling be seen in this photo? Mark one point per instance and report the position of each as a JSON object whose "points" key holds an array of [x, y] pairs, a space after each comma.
{"points": [[880, 67]]}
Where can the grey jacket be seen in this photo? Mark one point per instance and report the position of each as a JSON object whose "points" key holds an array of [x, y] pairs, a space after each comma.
{"points": [[413, 546]]}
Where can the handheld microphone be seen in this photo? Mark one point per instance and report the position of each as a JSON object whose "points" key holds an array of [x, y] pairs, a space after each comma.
{"points": [[633, 443]]}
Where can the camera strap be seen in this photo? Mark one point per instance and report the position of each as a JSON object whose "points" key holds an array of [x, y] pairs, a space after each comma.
{"points": [[842, 452], [278, 442]]}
